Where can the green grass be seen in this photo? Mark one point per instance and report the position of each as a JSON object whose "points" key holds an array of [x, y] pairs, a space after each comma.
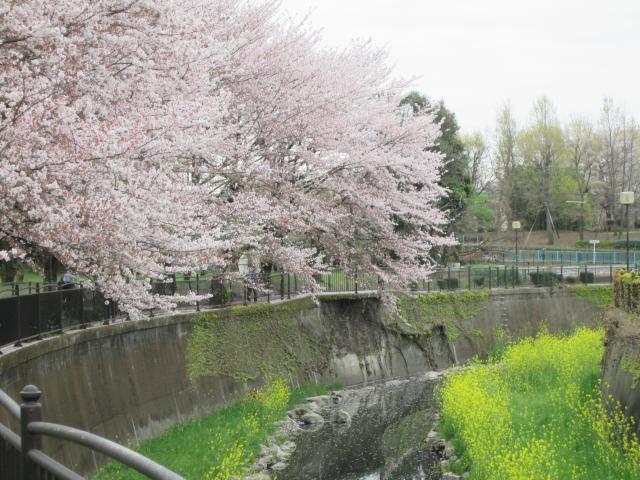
{"points": [[535, 413], [222, 444], [599, 295], [28, 275]]}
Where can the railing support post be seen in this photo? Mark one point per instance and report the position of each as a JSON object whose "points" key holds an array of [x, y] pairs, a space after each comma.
{"points": [[281, 285], [356, 281], [19, 316], [198, 291], [30, 411]]}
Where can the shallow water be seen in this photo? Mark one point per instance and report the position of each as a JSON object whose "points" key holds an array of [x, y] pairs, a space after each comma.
{"points": [[384, 440]]}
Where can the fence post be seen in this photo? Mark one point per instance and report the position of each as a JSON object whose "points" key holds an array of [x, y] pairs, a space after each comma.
{"points": [[82, 322], [281, 285], [197, 291], [17, 292], [469, 277], [610, 273], [60, 295], [489, 278], [288, 286], [356, 281], [30, 411], [449, 278], [37, 310]]}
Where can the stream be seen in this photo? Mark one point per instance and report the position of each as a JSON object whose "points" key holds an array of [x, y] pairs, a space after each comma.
{"points": [[374, 432]]}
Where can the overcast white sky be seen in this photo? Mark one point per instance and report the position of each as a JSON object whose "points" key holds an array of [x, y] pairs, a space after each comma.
{"points": [[477, 54]]}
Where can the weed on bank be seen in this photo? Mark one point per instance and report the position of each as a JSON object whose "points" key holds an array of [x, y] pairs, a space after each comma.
{"points": [[533, 412], [221, 445]]}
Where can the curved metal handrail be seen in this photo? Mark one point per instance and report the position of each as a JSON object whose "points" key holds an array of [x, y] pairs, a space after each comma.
{"points": [[11, 437], [50, 465], [10, 404], [107, 447]]}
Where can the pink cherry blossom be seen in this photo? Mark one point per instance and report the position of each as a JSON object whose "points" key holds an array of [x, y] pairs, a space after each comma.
{"points": [[147, 137]]}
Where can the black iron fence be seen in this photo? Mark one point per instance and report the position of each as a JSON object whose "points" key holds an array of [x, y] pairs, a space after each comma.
{"points": [[35, 311], [510, 276], [476, 278], [30, 312], [28, 315], [22, 458]]}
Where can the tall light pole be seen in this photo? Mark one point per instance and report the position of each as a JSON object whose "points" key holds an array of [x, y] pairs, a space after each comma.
{"points": [[516, 226], [626, 199]]}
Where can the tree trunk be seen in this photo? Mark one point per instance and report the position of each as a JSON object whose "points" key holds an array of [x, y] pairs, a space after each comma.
{"points": [[547, 204], [549, 227], [581, 226]]}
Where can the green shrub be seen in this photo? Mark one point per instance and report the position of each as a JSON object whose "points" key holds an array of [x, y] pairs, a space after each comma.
{"points": [[587, 277], [448, 284], [545, 279]]}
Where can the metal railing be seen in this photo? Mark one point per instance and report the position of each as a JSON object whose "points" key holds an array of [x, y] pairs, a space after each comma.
{"points": [[510, 276], [32, 316], [542, 256], [30, 312], [22, 458]]}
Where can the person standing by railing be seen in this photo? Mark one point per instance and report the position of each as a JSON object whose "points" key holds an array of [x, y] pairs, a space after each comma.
{"points": [[68, 281]]}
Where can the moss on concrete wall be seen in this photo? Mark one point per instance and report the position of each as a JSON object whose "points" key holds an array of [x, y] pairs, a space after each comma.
{"points": [[631, 365], [448, 309], [599, 295], [247, 342]]}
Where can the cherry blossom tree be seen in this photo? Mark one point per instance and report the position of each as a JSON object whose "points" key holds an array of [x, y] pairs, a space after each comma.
{"points": [[324, 160], [99, 102], [144, 137]]}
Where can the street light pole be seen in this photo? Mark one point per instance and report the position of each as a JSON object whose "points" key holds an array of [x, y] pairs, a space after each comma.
{"points": [[516, 226], [626, 199]]}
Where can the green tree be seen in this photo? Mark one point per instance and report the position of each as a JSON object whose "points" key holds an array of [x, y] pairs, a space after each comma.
{"points": [[456, 175], [541, 145], [584, 148], [505, 166]]}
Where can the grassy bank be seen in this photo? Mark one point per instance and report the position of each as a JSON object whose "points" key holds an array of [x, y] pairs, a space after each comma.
{"points": [[223, 444], [534, 413]]}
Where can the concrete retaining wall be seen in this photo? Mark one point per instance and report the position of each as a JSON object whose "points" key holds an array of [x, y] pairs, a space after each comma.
{"points": [[130, 381], [621, 364]]}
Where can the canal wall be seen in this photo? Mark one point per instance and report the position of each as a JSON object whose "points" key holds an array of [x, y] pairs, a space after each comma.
{"points": [[621, 363], [133, 380]]}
